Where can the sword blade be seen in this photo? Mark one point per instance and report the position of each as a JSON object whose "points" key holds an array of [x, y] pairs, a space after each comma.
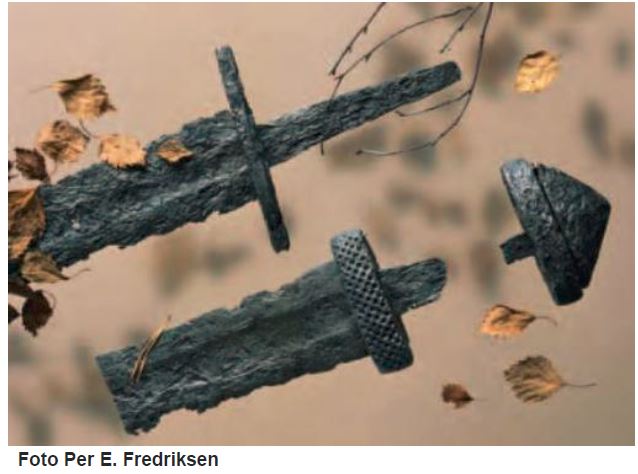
{"points": [[270, 338], [102, 206]]}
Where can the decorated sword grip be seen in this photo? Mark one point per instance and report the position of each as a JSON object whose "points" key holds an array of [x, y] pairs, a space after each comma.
{"points": [[382, 330]]}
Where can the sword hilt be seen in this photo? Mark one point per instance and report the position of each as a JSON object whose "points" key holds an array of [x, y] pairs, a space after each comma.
{"points": [[381, 328], [254, 150]]}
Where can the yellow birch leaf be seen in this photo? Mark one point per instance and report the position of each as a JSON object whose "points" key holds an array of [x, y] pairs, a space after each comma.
{"points": [[61, 141], [84, 97], [121, 151], [536, 72], [173, 151], [503, 321]]}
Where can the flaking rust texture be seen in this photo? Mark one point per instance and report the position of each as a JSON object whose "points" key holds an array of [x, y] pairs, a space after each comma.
{"points": [[272, 337], [564, 222], [102, 206]]}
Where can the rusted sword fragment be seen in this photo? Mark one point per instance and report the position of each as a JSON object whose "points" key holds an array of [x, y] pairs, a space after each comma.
{"points": [[338, 312], [102, 206]]}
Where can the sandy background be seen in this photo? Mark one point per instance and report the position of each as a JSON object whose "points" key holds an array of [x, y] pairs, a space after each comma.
{"points": [[156, 61]]}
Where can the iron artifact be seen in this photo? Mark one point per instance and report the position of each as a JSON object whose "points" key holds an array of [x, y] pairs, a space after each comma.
{"points": [[102, 206], [564, 223], [338, 312]]}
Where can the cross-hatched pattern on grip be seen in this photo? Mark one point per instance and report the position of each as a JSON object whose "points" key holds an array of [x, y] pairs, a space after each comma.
{"points": [[382, 331]]}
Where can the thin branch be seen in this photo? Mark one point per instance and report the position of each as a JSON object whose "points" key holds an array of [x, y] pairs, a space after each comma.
{"points": [[362, 31], [465, 97], [339, 78], [440, 105], [86, 131], [448, 44], [576, 385], [366, 56]]}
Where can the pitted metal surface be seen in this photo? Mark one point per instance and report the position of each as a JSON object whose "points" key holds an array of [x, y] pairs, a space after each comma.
{"points": [[382, 330]]}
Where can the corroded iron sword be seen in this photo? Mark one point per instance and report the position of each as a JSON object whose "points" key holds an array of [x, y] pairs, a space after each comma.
{"points": [[338, 312], [102, 206]]}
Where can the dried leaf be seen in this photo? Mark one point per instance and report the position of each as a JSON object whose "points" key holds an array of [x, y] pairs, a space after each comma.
{"points": [[61, 141], [36, 311], [13, 314], [19, 287], [121, 151], [40, 268], [536, 72], [456, 394], [534, 379], [31, 164], [503, 321], [145, 351], [173, 151], [26, 220], [84, 97]]}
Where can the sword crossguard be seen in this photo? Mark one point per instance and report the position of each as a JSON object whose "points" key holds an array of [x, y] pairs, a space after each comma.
{"points": [[254, 150], [381, 328]]}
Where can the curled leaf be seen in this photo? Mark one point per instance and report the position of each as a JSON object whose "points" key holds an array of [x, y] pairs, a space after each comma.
{"points": [[536, 72], [26, 220], [173, 151], [456, 394], [535, 379], [40, 268], [36, 312], [31, 164], [145, 351], [13, 314], [84, 97], [61, 141], [503, 321], [121, 151]]}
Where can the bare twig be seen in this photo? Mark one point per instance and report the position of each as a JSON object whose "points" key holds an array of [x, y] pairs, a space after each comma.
{"points": [[466, 96], [368, 54], [339, 78], [362, 31], [86, 131], [448, 44]]}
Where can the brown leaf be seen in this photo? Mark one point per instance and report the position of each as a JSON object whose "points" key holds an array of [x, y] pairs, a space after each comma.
{"points": [[146, 349], [26, 220], [121, 151], [36, 311], [84, 97], [536, 72], [40, 268], [456, 394], [13, 313], [19, 287], [534, 379], [503, 321], [11, 176], [173, 151], [61, 141], [31, 164]]}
